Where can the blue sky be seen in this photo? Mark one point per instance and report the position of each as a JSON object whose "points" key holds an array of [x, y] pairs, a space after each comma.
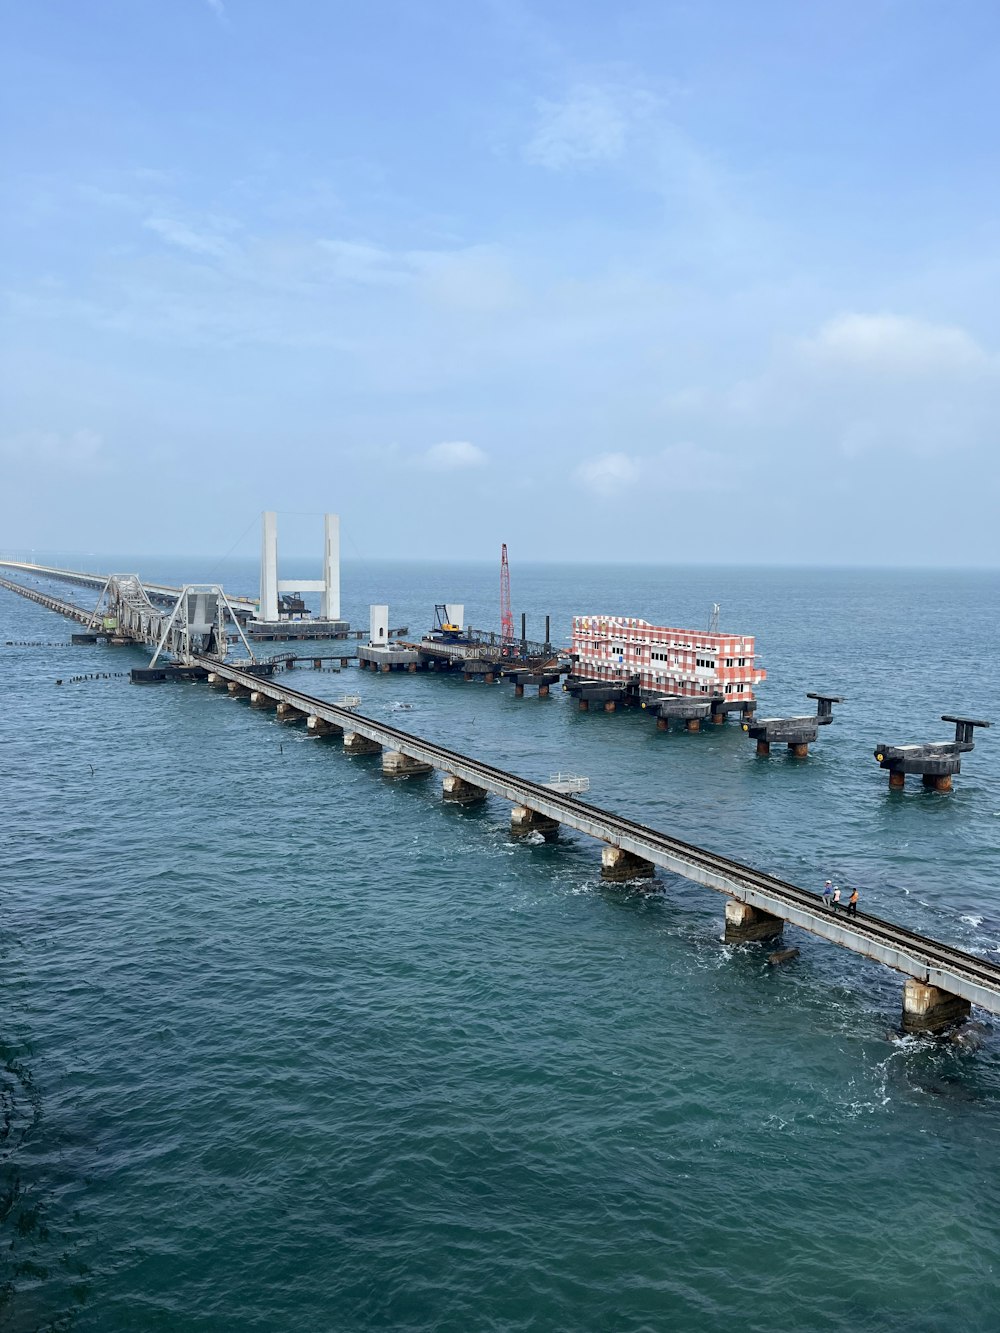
{"points": [[644, 280]]}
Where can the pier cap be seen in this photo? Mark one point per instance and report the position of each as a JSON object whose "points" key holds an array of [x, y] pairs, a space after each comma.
{"points": [[966, 721]]}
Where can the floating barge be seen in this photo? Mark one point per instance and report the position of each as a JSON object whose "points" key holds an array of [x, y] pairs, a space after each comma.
{"points": [[685, 673]]}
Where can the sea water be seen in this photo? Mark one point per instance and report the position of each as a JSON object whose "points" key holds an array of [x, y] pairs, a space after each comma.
{"points": [[286, 1046]]}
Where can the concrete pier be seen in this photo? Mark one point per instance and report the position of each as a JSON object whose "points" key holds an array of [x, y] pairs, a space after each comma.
{"points": [[692, 712], [237, 690], [459, 792], [258, 699], [524, 821], [319, 726], [617, 866], [543, 679], [797, 733], [355, 743], [286, 713], [936, 762], [216, 681], [398, 765], [744, 923], [929, 1009]]}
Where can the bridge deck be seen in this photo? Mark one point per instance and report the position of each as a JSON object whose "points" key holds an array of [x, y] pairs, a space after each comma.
{"points": [[963, 974], [163, 592]]}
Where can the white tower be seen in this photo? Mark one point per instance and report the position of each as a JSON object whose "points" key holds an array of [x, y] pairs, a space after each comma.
{"points": [[271, 586], [269, 567]]}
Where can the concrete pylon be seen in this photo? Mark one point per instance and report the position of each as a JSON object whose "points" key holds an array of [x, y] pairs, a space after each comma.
{"points": [[269, 566], [329, 604]]}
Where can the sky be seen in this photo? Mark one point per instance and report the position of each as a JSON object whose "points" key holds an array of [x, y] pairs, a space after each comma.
{"points": [[707, 281]]}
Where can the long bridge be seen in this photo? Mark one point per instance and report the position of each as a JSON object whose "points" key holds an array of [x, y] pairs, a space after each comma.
{"points": [[943, 982]]}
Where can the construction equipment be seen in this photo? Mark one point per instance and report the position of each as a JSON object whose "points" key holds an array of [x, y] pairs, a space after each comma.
{"points": [[445, 630], [507, 646]]}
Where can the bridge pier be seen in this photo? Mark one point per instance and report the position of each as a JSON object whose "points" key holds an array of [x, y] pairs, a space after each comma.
{"points": [[930, 1009], [289, 713], [355, 743], [320, 727], [398, 765], [524, 821], [617, 866], [744, 922], [216, 681], [237, 690], [258, 699], [460, 792]]}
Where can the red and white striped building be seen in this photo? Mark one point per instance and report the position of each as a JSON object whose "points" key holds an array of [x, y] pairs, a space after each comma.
{"points": [[688, 662]]}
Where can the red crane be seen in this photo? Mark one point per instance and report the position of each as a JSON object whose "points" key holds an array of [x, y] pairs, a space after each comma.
{"points": [[506, 615]]}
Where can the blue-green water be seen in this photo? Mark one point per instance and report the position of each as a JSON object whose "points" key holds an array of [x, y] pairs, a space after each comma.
{"points": [[286, 1046]]}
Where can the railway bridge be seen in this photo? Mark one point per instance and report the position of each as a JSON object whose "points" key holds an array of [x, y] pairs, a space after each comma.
{"points": [[942, 984]]}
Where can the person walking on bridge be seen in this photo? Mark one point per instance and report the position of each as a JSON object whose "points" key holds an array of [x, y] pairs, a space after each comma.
{"points": [[827, 892], [836, 895], [852, 903]]}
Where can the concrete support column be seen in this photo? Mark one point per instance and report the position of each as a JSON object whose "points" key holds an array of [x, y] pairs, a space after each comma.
{"points": [[663, 724], [524, 821], [610, 706], [397, 765], [799, 749], [344, 661], [288, 713], [618, 865], [929, 1009], [937, 781], [466, 675], [216, 681], [764, 748], [744, 922], [385, 667], [258, 699], [693, 724], [518, 691], [584, 705], [411, 667], [543, 691], [897, 780], [460, 792], [718, 719], [354, 743], [236, 689], [320, 727]]}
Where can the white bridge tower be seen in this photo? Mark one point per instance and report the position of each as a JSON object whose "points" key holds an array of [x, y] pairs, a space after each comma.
{"points": [[271, 586]]}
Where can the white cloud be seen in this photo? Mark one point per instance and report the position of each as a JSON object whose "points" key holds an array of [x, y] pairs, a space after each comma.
{"points": [[218, 9], [682, 468], [182, 236], [874, 383], [587, 127], [894, 345], [608, 474], [454, 456]]}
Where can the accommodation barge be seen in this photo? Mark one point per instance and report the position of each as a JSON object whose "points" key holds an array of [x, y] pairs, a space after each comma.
{"points": [[625, 660]]}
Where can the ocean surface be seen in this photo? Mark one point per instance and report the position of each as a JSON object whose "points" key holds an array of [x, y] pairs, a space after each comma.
{"points": [[286, 1046]]}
